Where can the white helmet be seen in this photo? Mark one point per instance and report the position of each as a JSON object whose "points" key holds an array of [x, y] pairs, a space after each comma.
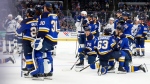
{"points": [[136, 19], [20, 19], [111, 18], [10, 15], [19, 16], [84, 12]]}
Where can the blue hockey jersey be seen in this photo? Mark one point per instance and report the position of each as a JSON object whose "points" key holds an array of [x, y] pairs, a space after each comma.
{"points": [[80, 18], [97, 28], [89, 45], [92, 27], [142, 30], [28, 28], [123, 43], [115, 23], [127, 31], [48, 27], [105, 44]]}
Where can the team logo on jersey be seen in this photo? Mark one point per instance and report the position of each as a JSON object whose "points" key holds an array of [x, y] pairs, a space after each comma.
{"points": [[126, 26], [66, 33]]}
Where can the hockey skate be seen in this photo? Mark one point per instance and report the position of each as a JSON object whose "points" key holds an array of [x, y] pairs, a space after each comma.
{"points": [[26, 70], [143, 68], [39, 77], [111, 69], [11, 59], [120, 70], [143, 54], [80, 64], [48, 76]]}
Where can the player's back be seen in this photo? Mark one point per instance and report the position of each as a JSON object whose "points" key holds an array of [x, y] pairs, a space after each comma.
{"points": [[54, 25], [105, 44], [29, 28], [49, 25]]}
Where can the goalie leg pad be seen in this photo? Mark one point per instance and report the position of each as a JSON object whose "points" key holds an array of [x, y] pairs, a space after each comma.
{"points": [[47, 66], [39, 60], [49, 57]]}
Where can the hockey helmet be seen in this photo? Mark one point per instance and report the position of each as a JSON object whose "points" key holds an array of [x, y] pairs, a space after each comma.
{"points": [[107, 31], [39, 8], [87, 28], [120, 27], [30, 12]]}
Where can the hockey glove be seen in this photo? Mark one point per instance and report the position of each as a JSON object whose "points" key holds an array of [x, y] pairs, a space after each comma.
{"points": [[38, 43]]}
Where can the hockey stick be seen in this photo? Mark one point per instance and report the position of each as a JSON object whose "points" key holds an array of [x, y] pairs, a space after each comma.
{"points": [[72, 66], [76, 53], [77, 37], [22, 57], [86, 66]]}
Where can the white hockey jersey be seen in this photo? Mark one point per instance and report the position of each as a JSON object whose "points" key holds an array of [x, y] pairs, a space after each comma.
{"points": [[10, 26], [134, 29]]}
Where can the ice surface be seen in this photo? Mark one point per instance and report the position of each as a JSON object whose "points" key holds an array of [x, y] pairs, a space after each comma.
{"points": [[64, 60]]}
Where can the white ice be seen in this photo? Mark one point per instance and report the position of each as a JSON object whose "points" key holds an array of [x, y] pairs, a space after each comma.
{"points": [[64, 60]]}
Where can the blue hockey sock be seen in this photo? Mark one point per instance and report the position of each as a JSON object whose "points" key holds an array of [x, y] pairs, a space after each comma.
{"points": [[111, 62], [92, 66], [6, 60], [121, 61], [134, 68], [127, 68], [29, 61], [81, 56], [104, 70]]}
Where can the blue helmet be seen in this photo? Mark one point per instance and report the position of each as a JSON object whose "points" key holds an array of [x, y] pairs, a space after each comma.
{"points": [[127, 14], [120, 27], [86, 28], [107, 31], [141, 17], [38, 8], [31, 12]]}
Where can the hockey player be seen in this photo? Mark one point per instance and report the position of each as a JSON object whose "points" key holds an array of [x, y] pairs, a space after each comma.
{"points": [[28, 28], [123, 56], [123, 45], [9, 25], [97, 26], [89, 49], [110, 24], [140, 36], [46, 39], [38, 11], [80, 31], [119, 16], [104, 48], [128, 27], [18, 36], [134, 32], [2, 61], [82, 37]]}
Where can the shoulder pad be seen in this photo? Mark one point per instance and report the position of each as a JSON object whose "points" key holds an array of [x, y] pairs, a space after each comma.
{"points": [[52, 14], [28, 21], [44, 15]]}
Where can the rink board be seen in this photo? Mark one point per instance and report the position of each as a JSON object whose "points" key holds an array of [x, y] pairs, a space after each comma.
{"points": [[75, 39]]}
